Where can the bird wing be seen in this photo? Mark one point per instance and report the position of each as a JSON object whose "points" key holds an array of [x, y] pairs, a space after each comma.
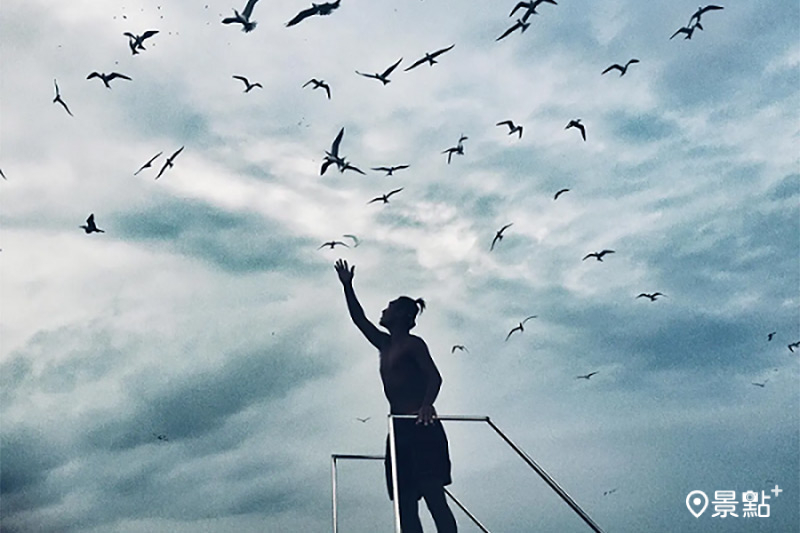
{"points": [[709, 8], [680, 30], [325, 164], [381, 169], [93, 75], [604, 252], [245, 80], [400, 167], [117, 75], [64, 104], [515, 328], [304, 14], [587, 256], [351, 167], [506, 123], [612, 67], [559, 193], [393, 192], [327, 89], [336, 142], [519, 5], [179, 150], [248, 9], [90, 220], [590, 374], [375, 199], [437, 53], [355, 239], [148, 34], [532, 316], [416, 63], [315, 81], [507, 32], [506, 227], [163, 168], [631, 61], [583, 130], [389, 70]]}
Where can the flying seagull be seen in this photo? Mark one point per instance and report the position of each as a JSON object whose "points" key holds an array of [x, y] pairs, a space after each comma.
{"points": [[319, 83], [3, 175], [148, 164], [383, 76], [701, 10], [499, 235], [90, 226], [247, 83], [386, 196], [793, 345], [315, 9], [107, 77], [519, 327], [622, 70], [243, 18], [363, 420], [598, 255], [458, 347], [607, 492], [576, 123], [457, 149], [389, 170], [356, 242], [760, 384], [688, 30], [59, 100], [136, 42], [332, 244], [161, 437], [512, 128], [332, 156], [454, 150], [530, 8], [559, 193], [347, 166], [517, 25], [586, 376], [430, 58], [770, 335], [652, 297], [168, 162]]}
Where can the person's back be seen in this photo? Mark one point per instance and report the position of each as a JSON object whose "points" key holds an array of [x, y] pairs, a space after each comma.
{"points": [[411, 383]]}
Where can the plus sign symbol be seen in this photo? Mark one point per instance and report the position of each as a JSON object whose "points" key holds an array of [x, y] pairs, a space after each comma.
{"points": [[777, 490]]}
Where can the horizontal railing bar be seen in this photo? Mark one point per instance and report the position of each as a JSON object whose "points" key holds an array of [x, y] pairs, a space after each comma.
{"points": [[462, 418], [356, 456]]}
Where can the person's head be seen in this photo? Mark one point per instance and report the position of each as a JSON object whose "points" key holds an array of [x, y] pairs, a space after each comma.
{"points": [[402, 313]]}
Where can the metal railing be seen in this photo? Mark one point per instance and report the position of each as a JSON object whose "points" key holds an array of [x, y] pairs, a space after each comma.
{"points": [[393, 453], [336, 456]]}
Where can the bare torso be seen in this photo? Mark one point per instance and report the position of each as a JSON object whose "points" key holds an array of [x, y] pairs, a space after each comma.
{"points": [[404, 382]]}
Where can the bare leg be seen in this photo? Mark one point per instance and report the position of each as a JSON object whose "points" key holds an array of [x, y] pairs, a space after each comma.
{"points": [[409, 515], [437, 505]]}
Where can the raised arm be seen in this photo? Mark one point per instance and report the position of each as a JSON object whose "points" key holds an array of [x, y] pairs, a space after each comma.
{"points": [[433, 381], [375, 336]]}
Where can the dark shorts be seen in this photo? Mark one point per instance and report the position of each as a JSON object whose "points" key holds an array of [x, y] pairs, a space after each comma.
{"points": [[422, 456]]}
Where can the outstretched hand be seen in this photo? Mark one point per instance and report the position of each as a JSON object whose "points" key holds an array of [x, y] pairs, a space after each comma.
{"points": [[345, 272]]}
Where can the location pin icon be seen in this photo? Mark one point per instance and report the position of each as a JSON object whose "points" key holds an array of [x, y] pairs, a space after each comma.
{"points": [[697, 501]]}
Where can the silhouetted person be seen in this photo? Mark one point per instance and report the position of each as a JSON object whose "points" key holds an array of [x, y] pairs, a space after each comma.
{"points": [[411, 383]]}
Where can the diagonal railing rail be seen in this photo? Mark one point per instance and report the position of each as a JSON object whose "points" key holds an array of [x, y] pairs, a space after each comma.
{"points": [[337, 456], [525, 457]]}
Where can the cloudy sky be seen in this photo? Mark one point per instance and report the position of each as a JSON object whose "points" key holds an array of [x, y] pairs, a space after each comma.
{"points": [[207, 315]]}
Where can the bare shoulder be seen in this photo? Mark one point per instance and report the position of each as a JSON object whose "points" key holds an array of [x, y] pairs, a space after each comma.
{"points": [[417, 343]]}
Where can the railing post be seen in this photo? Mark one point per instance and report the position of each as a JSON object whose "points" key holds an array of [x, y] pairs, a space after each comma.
{"points": [[333, 484]]}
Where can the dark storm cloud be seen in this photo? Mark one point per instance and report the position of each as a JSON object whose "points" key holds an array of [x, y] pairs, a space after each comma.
{"points": [[198, 404], [235, 242]]}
